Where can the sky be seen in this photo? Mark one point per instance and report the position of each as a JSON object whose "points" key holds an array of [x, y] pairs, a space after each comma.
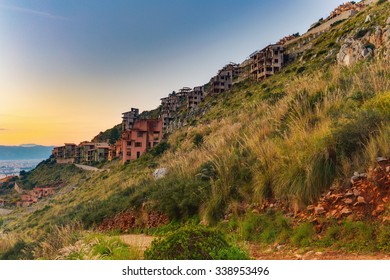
{"points": [[68, 69]]}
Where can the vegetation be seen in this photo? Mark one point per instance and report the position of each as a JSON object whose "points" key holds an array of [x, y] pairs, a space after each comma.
{"points": [[288, 138], [194, 243]]}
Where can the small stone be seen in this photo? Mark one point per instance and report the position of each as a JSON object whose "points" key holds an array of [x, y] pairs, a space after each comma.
{"points": [[380, 208], [319, 210], [255, 211], [356, 174], [346, 211], [381, 159], [160, 173], [349, 193], [368, 19], [348, 201], [363, 175], [361, 200], [310, 208], [388, 169]]}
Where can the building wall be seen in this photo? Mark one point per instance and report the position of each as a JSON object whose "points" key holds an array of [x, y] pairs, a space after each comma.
{"points": [[144, 136]]}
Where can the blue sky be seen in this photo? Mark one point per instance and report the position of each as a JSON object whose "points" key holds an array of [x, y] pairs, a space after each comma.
{"points": [[80, 64]]}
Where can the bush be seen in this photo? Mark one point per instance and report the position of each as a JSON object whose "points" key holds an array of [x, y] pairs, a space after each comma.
{"points": [[303, 235], [198, 140], [194, 243], [267, 228], [356, 131], [301, 69], [180, 198], [20, 251], [159, 149], [360, 34]]}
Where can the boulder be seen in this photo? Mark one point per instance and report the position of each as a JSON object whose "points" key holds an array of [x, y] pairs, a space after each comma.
{"points": [[346, 211], [319, 210], [160, 173]]}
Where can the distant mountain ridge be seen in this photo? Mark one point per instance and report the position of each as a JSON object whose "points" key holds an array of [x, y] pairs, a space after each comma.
{"points": [[25, 152]]}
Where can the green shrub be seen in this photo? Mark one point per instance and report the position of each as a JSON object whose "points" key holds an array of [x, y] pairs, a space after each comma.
{"points": [[20, 251], [303, 235], [383, 240], [159, 149], [266, 228], [180, 198], [360, 34], [194, 243], [198, 140], [355, 132], [112, 248], [301, 69]]}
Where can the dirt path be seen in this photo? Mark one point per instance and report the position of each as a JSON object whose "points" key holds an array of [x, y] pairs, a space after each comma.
{"points": [[138, 240], [260, 253]]}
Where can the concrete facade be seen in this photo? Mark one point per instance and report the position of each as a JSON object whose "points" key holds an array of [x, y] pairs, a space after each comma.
{"points": [[144, 135], [194, 97], [267, 62], [128, 118], [223, 81]]}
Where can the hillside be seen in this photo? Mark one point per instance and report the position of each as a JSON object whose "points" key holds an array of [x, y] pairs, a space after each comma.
{"points": [[24, 152], [266, 162]]}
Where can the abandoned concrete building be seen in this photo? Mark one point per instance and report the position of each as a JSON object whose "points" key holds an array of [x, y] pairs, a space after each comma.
{"points": [[223, 81], [144, 135], [85, 152], [267, 62], [194, 97], [171, 104], [128, 118]]}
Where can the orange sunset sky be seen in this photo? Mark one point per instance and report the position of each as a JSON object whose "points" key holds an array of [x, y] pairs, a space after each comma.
{"points": [[68, 69]]}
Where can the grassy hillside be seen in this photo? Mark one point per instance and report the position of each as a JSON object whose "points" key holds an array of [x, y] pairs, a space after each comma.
{"points": [[286, 139]]}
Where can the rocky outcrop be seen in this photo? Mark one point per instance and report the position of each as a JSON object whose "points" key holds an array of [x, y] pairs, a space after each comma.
{"points": [[129, 220], [367, 198], [160, 173], [364, 43], [352, 51]]}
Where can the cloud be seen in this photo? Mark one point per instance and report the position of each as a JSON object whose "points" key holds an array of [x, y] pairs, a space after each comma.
{"points": [[33, 12], [2, 129]]}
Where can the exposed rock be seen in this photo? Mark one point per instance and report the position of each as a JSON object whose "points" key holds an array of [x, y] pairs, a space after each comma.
{"points": [[330, 53], [378, 36], [348, 201], [368, 19], [319, 210], [346, 211], [356, 192], [388, 21], [160, 173], [349, 193], [360, 201], [310, 208]]}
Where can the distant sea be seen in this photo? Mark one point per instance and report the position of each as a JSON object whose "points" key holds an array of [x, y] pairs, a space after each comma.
{"points": [[13, 167]]}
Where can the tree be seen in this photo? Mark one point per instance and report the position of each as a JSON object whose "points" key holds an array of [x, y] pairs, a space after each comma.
{"points": [[114, 135]]}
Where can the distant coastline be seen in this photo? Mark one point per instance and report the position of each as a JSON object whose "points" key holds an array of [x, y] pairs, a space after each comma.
{"points": [[13, 167]]}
